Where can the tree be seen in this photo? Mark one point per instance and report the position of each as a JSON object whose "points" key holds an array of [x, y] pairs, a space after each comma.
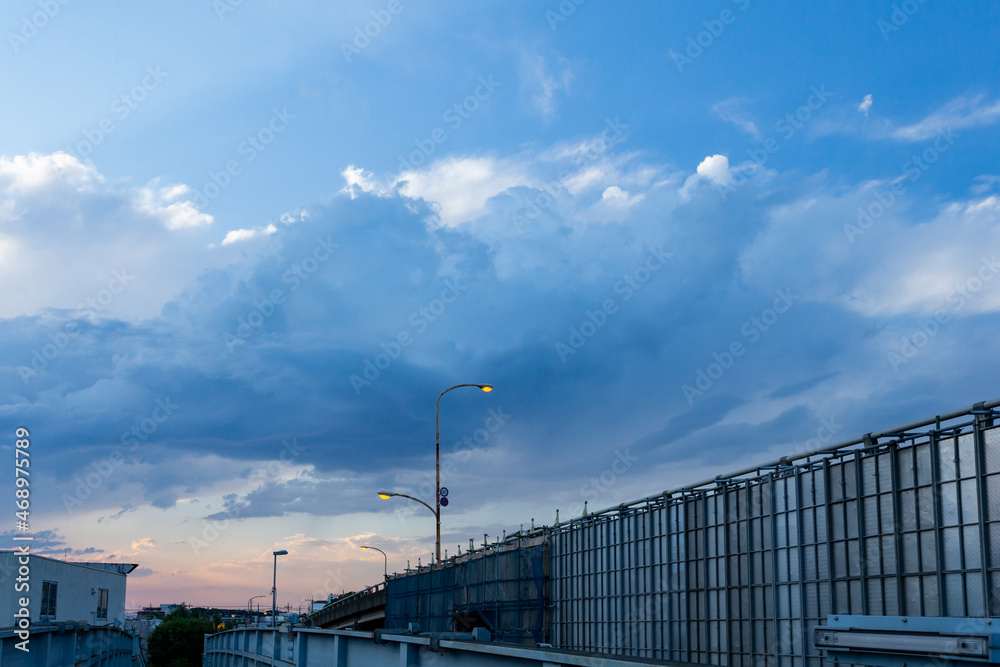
{"points": [[179, 641]]}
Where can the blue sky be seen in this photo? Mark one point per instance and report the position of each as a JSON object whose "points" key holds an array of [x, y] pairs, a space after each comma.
{"points": [[245, 246]]}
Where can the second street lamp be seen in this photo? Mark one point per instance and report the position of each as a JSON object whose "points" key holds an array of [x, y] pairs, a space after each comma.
{"points": [[250, 607], [385, 568], [274, 588]]}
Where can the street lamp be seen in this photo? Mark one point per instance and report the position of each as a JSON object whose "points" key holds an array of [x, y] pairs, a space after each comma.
{"points": [[250, 607], [437, 461], [385, 495], [274, 589], [437, 469], [384, 557]]}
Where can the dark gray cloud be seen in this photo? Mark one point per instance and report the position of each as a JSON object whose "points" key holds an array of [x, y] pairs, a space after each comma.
{"points": [[339, 332]]}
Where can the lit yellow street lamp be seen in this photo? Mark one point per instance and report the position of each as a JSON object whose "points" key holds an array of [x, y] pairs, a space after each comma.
{"points": [[437, 468], [385, 567]]}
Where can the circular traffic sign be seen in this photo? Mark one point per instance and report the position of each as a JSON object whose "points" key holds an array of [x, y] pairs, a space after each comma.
{"points": [[444, 502], [443, 491]]}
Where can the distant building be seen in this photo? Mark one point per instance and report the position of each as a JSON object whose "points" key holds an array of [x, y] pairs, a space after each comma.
{"points": [[62, 591], [316, 605], [149, 612], [167, 608]]}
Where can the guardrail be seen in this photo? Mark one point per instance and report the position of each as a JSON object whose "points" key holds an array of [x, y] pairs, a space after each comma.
{"points": [[356, 605], [887, 641], [347, 599], [311, 647], [70, 644]]}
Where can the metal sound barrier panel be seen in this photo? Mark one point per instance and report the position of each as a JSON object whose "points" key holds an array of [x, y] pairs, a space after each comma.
{"points": [[500, 587], [739, 572]]}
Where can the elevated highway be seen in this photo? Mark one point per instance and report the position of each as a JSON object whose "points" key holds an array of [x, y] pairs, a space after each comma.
{"points": [[362, 611]]}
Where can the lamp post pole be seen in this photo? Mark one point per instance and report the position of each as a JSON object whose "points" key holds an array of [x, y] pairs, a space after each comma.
{"points": [[437, 463], [250, 607], [274, 589], [385, 567], [437, 469]]}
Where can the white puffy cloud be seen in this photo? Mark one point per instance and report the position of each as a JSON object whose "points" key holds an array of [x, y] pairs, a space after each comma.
{"points": [[357, 180], [143, 544], [22, 174], [69, 239], [713, 169], [460, 186], [168, 205], [238, 235], [716, 168], [595, 182], [614, 206]]}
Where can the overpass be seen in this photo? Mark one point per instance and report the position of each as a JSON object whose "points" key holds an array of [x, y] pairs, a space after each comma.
{"points": [[364, 610]]}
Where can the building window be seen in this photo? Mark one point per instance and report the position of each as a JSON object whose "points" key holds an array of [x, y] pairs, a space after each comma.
{"points": [[102, 603], [49, 589]]}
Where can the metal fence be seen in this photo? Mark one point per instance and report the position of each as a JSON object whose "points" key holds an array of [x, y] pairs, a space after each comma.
{"points": [[739, 570]]}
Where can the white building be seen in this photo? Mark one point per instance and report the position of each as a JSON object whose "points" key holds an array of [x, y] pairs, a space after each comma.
{"points": [[57, 590]]}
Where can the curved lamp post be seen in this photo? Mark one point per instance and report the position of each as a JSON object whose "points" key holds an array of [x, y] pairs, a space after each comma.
{"points": [[437, 468], [384, 557], [274, 585], [437, 460], [250, 607], [385, 495]]}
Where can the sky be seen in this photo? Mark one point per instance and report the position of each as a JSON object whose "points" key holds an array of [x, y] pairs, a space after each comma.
{"points": [[245, 245]]}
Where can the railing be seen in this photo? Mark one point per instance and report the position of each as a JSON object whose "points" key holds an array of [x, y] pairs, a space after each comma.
{"points": [[357, 605], [347, 599], [938, 424], [70, 644], [310, 647]]}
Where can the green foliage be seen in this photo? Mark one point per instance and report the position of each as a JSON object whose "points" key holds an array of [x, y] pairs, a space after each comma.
{"points": [[181, 612], [179, 640]]}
